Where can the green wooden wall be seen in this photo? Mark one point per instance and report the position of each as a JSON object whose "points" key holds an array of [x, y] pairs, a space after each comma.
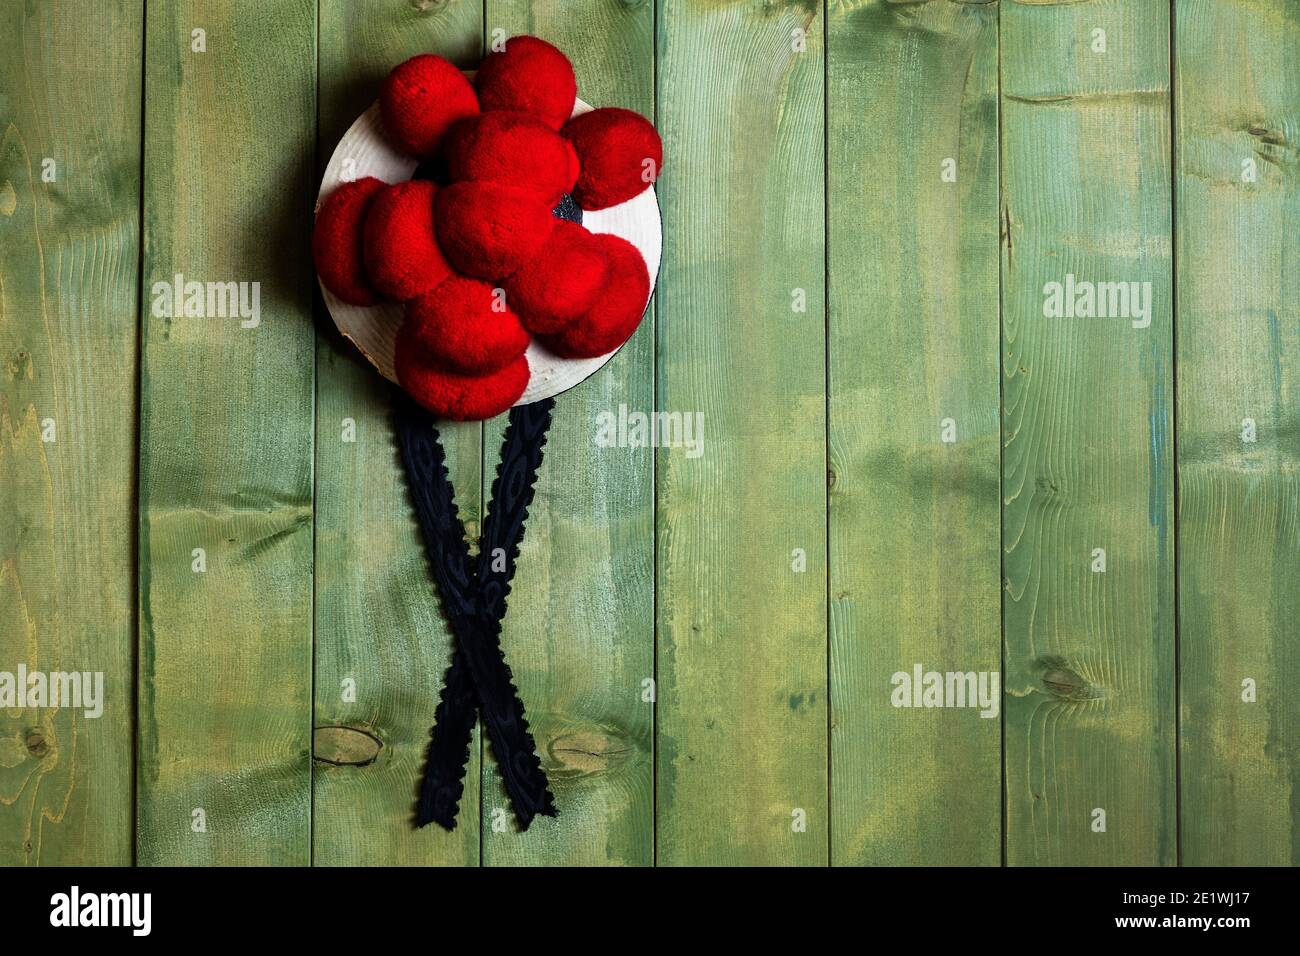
{"points": [[908, 462], [914, 563], [1087, 478], [224, 711], [1238, 358], [69, 272]]}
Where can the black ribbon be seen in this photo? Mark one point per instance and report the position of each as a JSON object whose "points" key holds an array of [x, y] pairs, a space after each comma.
{"points": [[474, 599]]}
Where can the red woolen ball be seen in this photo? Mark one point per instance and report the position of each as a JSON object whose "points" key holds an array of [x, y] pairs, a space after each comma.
{"points": [[489, 230], [336, 241], [465, 398], [465, 327], [560, 285], [529, 75], [401, 250], [620, 152], [420, 100], [618, 308], [514, 148]]}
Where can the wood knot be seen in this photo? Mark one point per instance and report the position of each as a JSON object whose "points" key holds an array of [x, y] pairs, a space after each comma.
{"points": [[1046, 485], [1064, 682], [584, 752], [36, 743], [345, 746]]}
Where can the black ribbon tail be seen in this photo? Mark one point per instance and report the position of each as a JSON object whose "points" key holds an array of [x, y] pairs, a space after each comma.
{"points": [[444, 542], [478, 674], [503, 531], [443, 782]]}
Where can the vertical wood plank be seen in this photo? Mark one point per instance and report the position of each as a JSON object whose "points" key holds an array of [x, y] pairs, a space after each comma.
{"points": [[1237, 105], [914, 513], [226, 437], [379, 623], [1089, 724], [741, 530], [579, 634], [69, 268]]}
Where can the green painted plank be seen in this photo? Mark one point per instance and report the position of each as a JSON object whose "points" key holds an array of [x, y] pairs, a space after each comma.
{"points": [[1237, 104], [226, 437], [69, 261], [1089, 654], [379, 624], [742, 739], [914, 513], [579, 634]]}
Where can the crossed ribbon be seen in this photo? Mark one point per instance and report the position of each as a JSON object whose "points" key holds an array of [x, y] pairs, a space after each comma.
{"points": [[474, 599]]}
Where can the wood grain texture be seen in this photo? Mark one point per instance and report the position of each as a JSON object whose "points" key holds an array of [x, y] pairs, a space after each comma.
{"points": [[379, 623], [1237, 99], [915, 565], [1089, 721], [742, 740], [69, 248], [579, 633], [226, 438]]}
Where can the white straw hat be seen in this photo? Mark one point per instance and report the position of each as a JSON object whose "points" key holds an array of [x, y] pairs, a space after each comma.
{"points": [[363, 151]]}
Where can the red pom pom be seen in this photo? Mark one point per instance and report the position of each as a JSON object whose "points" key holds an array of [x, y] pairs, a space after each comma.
{"points": [[402, 255], [489, 230], [336, 241], [621, 155], [420, 100], [517, 149], [560, 285], [618, 308], [529, 75], [464, 326], [465, 398]]}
